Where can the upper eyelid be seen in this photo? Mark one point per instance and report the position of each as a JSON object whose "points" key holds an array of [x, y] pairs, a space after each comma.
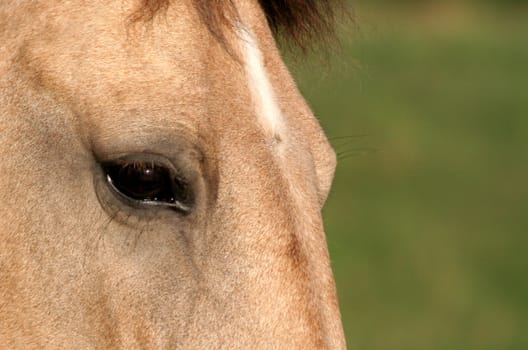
{"points": [[134, 157], [165, 144]]}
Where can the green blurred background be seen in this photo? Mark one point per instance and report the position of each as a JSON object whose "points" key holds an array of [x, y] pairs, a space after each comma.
{"points": [[427, 223]]}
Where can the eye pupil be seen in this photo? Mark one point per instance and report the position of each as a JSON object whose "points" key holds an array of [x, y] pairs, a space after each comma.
{"points": [[147, 182], [141, 181]]}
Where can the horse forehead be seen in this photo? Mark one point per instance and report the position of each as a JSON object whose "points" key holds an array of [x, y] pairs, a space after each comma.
{"points": [[96, 57], [97, 50], [167, 73]]}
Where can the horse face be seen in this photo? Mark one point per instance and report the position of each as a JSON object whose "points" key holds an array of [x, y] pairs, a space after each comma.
{"points": [[160, 187]]}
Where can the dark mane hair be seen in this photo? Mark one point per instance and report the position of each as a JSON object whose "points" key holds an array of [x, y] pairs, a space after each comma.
{"points": [[300, 21]]}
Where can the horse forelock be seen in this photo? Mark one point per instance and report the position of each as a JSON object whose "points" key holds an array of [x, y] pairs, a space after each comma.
{"points": [[301, 21]]}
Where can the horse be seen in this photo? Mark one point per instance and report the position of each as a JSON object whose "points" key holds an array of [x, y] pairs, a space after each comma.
{"points": [[162, 177]]}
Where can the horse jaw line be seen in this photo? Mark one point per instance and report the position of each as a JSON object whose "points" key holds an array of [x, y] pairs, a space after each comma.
{"points": [[263, 96]]}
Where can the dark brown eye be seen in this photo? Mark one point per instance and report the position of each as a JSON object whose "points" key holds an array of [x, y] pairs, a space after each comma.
{"points": [[148, 182]]}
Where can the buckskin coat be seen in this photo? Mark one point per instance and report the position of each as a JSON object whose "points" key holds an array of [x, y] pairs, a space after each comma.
{"points": [[161, 178]]}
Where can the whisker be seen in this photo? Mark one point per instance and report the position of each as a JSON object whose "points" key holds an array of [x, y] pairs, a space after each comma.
{"points": [[355, 152], [353, 137]]}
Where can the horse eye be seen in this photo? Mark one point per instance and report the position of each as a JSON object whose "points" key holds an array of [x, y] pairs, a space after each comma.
{"points": [[149, 183]]}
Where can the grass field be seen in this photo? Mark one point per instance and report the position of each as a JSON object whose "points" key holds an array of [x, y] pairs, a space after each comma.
{"points": [[427, 223]]}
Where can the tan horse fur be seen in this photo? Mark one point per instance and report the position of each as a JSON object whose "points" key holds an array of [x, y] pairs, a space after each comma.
{"points": [[248, 268]]}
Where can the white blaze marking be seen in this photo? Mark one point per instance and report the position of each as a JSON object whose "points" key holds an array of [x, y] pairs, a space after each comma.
{"points": [[262, 93]]}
